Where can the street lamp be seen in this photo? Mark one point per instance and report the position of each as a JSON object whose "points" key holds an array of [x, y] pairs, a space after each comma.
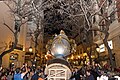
{"points": [[97, 49], [30, 49]]}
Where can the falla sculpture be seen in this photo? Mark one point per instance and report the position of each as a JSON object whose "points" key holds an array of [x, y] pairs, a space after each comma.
{"points": [[60, 47]]}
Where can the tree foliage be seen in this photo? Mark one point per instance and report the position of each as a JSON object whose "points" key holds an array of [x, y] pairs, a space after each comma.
{"points": [[85, 16], [23, 11]]}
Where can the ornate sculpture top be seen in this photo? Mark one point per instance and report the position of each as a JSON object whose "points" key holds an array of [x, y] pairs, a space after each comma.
{"points": [[61, 46]]}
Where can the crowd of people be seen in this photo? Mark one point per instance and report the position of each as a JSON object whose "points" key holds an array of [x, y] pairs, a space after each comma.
{"points": [[86, 72], [22, 73], [91, 72]]}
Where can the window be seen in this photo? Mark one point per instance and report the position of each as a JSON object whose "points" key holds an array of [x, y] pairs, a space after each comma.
{"points": [[112, 17], [109, 2]]}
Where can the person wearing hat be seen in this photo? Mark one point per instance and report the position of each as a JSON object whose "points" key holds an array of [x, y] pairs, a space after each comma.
{"points": [[41, 75]]}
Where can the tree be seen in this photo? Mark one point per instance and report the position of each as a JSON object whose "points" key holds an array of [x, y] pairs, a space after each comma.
{"points": [[69, 16], [24, 11], [103, 27], [19, 12], [91, 12], [36, 18]]}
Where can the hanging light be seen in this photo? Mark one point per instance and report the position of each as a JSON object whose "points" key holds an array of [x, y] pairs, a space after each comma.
{"points": [[97, 48], [30, 49]]}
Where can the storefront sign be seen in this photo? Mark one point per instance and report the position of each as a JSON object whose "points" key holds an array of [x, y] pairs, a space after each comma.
{"points": [[110, 44], [102, 46]]}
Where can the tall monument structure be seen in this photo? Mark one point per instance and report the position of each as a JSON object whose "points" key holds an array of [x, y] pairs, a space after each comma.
{"points": [[58, 68]]}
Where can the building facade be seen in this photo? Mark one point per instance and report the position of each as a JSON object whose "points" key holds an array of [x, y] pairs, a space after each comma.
{"points": [[111, 7], [15, 57]]}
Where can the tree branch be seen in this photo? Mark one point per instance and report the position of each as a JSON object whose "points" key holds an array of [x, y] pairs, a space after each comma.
{"points": [[99, 8], [9, 27], [9, 7], [84, 13]]}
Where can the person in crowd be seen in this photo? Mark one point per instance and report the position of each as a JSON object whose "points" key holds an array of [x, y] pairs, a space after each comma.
{"points": [[24, 72], [41, 75], [17, 75], [89, 76], [31, 73], [97, 68], [76, 74], [10, 76], [35, 76], [72, 77], [4, 77], [95, 71]]}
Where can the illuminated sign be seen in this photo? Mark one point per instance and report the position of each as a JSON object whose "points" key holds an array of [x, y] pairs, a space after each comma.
{"points": [[110, 44], [102, 46]]}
